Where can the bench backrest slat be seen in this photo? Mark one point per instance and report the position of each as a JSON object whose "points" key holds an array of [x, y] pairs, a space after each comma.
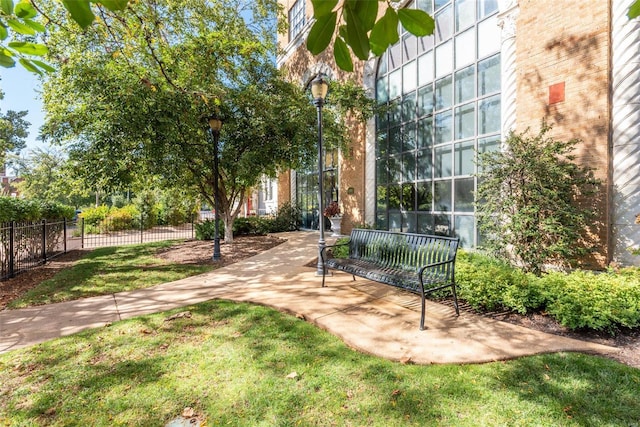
{"points": [[406, 251]]}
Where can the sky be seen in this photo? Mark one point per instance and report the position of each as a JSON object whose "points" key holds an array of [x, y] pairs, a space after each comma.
{"points": [[20, 89]]}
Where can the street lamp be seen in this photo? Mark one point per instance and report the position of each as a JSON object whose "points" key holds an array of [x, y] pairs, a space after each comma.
{"points": [[215, 124], [319, 89]]}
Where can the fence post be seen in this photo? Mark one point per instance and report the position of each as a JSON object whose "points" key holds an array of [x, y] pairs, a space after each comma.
{"points": [[193, 225], [12, 236], [81, 232], [64, 234], [141, 228], [44, 240]]}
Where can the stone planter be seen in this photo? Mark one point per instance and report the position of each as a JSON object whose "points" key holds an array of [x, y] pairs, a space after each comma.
{"points": [[336, 222]]}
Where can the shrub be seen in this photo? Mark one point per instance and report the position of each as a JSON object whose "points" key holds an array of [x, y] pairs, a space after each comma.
{"points": [[527, 196], [125, 218], [94, 216], [288, 218], [252, 226], [600, 301], [205, 230]]}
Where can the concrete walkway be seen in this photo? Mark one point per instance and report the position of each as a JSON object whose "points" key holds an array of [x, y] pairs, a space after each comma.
{"points": [[370, 317]]}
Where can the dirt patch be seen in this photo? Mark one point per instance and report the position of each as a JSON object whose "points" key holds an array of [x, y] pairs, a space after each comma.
{"points": [[200, 253]]}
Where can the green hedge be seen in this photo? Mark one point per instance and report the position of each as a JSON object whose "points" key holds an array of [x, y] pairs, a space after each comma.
{"points": [[603, 301], [14, 209]]}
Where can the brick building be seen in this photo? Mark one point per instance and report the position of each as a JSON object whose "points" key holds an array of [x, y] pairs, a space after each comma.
{"points": [[491, 66]]}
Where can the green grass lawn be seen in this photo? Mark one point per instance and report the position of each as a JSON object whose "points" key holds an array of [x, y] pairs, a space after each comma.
{"points": [[232, 362], [109, 270]]}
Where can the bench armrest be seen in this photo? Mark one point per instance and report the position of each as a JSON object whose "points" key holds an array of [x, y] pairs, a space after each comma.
{"points": [[435, 264], [322, 252]]}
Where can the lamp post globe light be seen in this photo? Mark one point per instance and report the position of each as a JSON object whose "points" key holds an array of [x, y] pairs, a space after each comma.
{"points": [[215, 124], [319, 89]]}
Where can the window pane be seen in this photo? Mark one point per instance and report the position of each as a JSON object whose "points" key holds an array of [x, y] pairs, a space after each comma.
{"points": [[442, 127], [464, 85], [425, 69], [465, 14], [395, 140], [444, 93], [426, 43], [489, 115], [409, 166], [487, 7], [395, 169], [440, 3], [442, 195], [425, 101], [424, 5], [395, 114], [382, 171], [442, 225], [382, 144], [409, 222], [409, 77], [395, 192], [488, 37], [382, 90], [382, 64], [424, 196], [464, 230], [424, 164], [395, 84], [444, 59], [409, 47], [464, 195], [425, 132], [444, 24], [425, 224], [489, 75], [465, 121], [395, 221], [395, 56], [486, 145], [443, 161], [381, 197], [409, 137], [464, 158], [409, 107], [409, 197], [465, 52]]}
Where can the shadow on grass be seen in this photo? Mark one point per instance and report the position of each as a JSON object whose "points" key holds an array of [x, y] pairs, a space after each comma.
{"points": [[234, 363]]}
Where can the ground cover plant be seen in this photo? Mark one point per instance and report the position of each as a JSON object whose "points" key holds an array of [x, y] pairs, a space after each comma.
{"points": [[239, 364]]}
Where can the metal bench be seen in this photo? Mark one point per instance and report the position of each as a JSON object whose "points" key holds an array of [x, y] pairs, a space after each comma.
{"points": [[415, 262]]}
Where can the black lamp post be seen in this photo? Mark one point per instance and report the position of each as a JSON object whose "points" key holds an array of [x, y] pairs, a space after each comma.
{"points": [[319, 89], [215, 124]]}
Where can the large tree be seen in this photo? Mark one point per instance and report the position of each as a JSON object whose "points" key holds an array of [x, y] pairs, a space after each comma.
{"points": [[13, 132], [132, 92]]}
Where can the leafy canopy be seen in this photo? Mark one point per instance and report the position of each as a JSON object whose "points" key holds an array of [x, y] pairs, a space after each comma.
{"points": [[357, 28]]}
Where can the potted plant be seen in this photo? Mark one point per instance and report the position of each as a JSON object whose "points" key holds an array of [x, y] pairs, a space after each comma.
{"points": [[332, 211]]}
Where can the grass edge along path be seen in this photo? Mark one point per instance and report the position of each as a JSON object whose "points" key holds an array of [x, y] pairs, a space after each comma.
{"points": [[243, 364], [109, 270]]}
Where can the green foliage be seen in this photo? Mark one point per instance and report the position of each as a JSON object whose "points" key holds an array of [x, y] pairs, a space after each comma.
{"points": [[529, 201], [146, 202], [357, 28], [600, 301], [94, 216], [254, 225], [288, 218], [205, 230], [581, 299], [13, 132], [124, 218], [341, 251], [13, 209]]}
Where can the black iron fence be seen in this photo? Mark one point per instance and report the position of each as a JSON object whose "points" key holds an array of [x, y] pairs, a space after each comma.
{"points": [[25, 245]]}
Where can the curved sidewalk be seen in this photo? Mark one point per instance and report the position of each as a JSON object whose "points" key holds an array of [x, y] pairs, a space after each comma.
{"points": [[368, 316]]}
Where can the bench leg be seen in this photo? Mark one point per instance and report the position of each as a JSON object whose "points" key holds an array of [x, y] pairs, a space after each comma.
{"points": [[324, 273], [455, 299], [354, 277], [422, 314]]}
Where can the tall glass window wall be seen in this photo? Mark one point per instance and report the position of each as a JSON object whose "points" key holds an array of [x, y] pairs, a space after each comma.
{"points": [[443, 93]]}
